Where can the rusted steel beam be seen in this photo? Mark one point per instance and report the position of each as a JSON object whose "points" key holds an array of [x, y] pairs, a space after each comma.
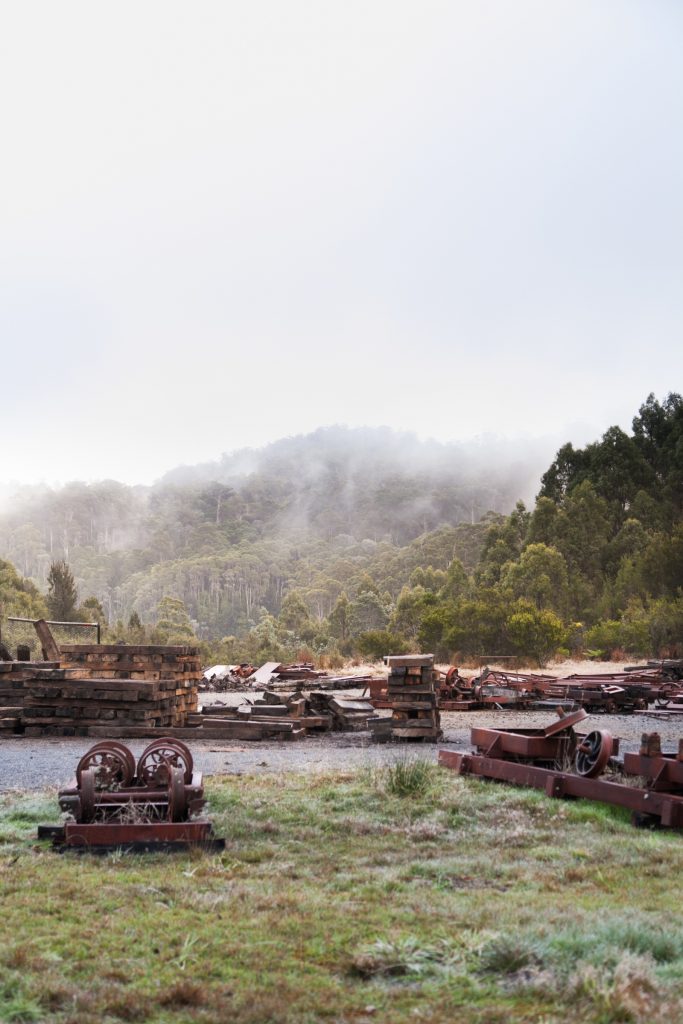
{"points": [[117, 834]]}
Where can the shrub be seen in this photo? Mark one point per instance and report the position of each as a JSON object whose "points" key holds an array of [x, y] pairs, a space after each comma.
{"points": [[604, 636], [375, 643], [535, 632]]}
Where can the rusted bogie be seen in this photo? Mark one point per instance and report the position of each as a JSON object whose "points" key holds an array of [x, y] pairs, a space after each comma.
{"points": [[105, 787], [110, 807], [175, 802]]}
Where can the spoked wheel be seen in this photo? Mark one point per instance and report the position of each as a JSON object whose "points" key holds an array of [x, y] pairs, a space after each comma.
{"points": [[593, 753], [112, 763], [157, 760]]}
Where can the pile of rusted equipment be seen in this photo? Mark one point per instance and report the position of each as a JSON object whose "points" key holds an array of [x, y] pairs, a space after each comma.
{"points": [[608, 692], [494, 691], [110, 690], [282, 717], [411, 693], [564, 763], [604, 692], [115, 803]]}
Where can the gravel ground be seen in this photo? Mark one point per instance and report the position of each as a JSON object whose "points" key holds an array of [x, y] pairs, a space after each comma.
{"points": [[29, 764]]}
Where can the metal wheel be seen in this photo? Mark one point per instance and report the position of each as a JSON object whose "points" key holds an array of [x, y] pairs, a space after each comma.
{"points": [[157, 759], [112, 763], [593, 753], [87, 795], [177, 796]]}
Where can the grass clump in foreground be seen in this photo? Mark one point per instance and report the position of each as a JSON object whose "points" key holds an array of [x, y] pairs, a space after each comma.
{"points": [[408, 776], [393, 896]]}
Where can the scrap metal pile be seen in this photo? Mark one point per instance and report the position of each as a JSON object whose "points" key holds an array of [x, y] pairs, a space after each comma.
{"points": [[671, 668], [491, 690], [633, 690], [223, 678], [564, 763], [114, 802], [607, 692], [275, 676]]}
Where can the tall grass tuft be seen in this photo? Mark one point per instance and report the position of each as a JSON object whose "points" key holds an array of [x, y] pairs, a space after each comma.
{"points": [[412, 777]]}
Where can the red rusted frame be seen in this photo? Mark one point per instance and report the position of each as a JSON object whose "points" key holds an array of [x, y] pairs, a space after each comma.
{"points": [[519, 744], [665, 806], [116, 834], [553, 743]]}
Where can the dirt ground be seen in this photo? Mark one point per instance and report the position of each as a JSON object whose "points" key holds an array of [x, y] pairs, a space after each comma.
{"points": [[31, 764]]}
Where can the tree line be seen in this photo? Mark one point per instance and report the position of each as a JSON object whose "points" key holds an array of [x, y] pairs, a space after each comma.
{"points": [[595, 566]]}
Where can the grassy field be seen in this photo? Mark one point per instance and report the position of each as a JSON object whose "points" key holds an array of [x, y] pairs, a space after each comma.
{"points": [[389, 896]]}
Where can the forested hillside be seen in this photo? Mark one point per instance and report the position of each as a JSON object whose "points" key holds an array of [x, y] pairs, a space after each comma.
{"points": [[364, 541], [230, 539]]}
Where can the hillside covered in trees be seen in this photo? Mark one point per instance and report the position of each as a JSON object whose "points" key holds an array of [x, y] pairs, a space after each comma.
{"points": [[363, 541]]}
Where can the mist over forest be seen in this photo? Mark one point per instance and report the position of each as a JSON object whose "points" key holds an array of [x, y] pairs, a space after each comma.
{"points": [[350, 541], [230, 537]]}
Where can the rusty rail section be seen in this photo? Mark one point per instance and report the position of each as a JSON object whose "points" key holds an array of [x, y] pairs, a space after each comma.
{"points": [[565, 764], [113, 802]]}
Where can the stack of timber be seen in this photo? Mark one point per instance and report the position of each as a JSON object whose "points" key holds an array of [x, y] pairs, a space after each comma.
{"points": [[127, 661], [346, 683], [346, 715], [100, 690], [103, 707], [412, 695], [280, 716], [15, 678]]}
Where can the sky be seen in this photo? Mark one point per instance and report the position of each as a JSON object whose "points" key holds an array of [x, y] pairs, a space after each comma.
{"points": [[223, 223]]}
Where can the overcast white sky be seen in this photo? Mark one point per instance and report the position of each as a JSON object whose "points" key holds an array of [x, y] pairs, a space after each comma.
{"points": [[226, 222]]}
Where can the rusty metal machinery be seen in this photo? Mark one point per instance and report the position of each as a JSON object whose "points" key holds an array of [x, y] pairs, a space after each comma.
{"points": [[649, 783], [489, 691], [607, 692], [113, 802]]}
